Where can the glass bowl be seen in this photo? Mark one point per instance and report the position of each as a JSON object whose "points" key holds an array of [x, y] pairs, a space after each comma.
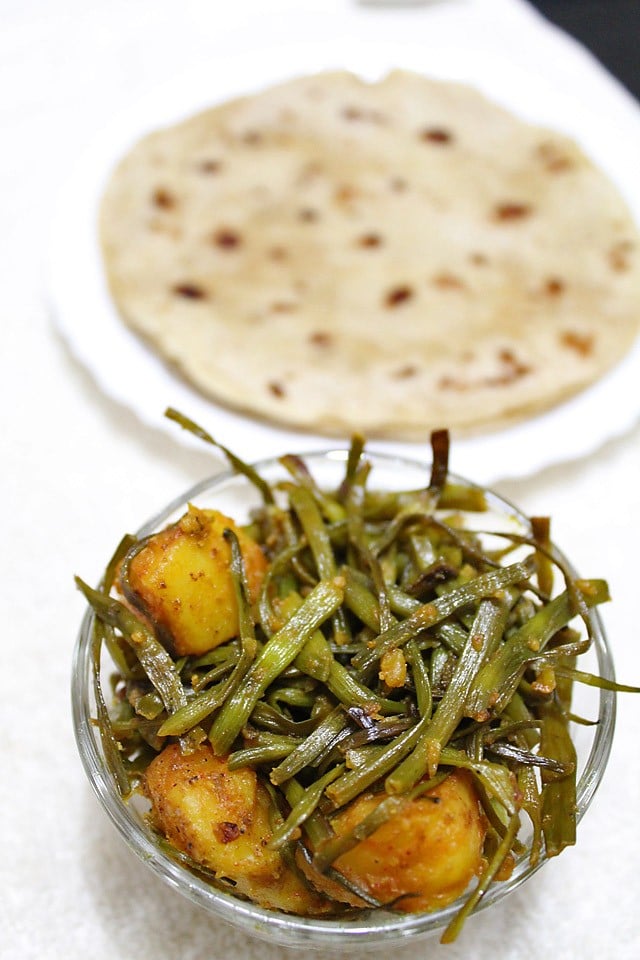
{"points": [[234, 495]]}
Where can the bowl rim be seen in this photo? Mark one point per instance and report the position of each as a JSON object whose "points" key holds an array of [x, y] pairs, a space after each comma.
{"points": [[290, 929]]}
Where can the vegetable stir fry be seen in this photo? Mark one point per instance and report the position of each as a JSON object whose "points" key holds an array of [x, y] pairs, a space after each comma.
{"points": [[354, 700]]}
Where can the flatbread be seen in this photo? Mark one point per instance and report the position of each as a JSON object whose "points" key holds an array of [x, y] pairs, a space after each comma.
{"points": [[387, 257]]}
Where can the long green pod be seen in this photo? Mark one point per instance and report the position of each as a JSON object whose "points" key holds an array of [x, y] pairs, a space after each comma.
{"points": [[317, 660], [421, 682], [153, 657], [103, 633], [382, 506], [353, 782], [558, 802], [304, 808], [196, 710], [303, 503], [108, 739], [532, 806], [276, 655], [315, 826], [498, 680], [307, 752], [485, 633], [495, 777], [488, 874], [263, 752], [235, 462], [335, 847], [429, 614], [308, 513], [329, 506], [360, 543], [360, 599], [269, 718]]}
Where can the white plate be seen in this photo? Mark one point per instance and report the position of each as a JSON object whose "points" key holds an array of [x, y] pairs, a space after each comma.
{"points": [[126, 369]]}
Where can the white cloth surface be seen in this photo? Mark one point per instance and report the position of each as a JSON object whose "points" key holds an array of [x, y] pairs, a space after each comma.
{"points": [[78, 470]]}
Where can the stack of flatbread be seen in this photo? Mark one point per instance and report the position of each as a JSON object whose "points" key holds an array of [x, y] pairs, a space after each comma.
{"points": [[387, 257]]}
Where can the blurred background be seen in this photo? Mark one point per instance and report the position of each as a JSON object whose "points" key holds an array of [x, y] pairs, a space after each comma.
{"points": [[610, 28]]}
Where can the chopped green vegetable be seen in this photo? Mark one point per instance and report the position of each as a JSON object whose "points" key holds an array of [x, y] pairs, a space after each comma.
{"points": [[391, 651]]}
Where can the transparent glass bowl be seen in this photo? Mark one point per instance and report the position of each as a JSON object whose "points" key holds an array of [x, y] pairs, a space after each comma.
{"points": [[235, 496]]}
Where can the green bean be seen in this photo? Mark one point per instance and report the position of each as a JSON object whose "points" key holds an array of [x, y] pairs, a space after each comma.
{"points": [[357, 757], [315, 532], [147, 704], [541, 530], [591, 680], [315, 825], [278, 653], [361, 601], [304, 505], [199, 683], [331, 509], [349, 691], [517, 711], [306, 753], [417, 511], [439, 463], [441, 668], [317, 660], [359, 542], [558, 793], [374, 730], [226, 651], [498, 680], [262, 751], [515, 754], [196, 710], [356, 451], [495, 777], [353, 782], [421, 680], [429, 614], [153, 658], [303, 809], [452, 635], [488, 874], [359, 598], [269, 621], [336, 847], [275, 721], [243, 601], [108, 739], [532, 806], [103, 633], [485, 633], [290, 696], [382, 506], [236, 463]]}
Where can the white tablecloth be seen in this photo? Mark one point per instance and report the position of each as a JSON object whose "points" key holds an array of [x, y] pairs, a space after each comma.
{"points": [[78, 469]]}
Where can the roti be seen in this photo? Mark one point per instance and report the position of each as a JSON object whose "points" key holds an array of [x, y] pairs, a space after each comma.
{"points": [[390, 257]]}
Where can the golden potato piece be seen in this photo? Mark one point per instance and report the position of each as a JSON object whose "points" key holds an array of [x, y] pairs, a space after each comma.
{"points": [[432, 849], [220, 818], [182, 580]]}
